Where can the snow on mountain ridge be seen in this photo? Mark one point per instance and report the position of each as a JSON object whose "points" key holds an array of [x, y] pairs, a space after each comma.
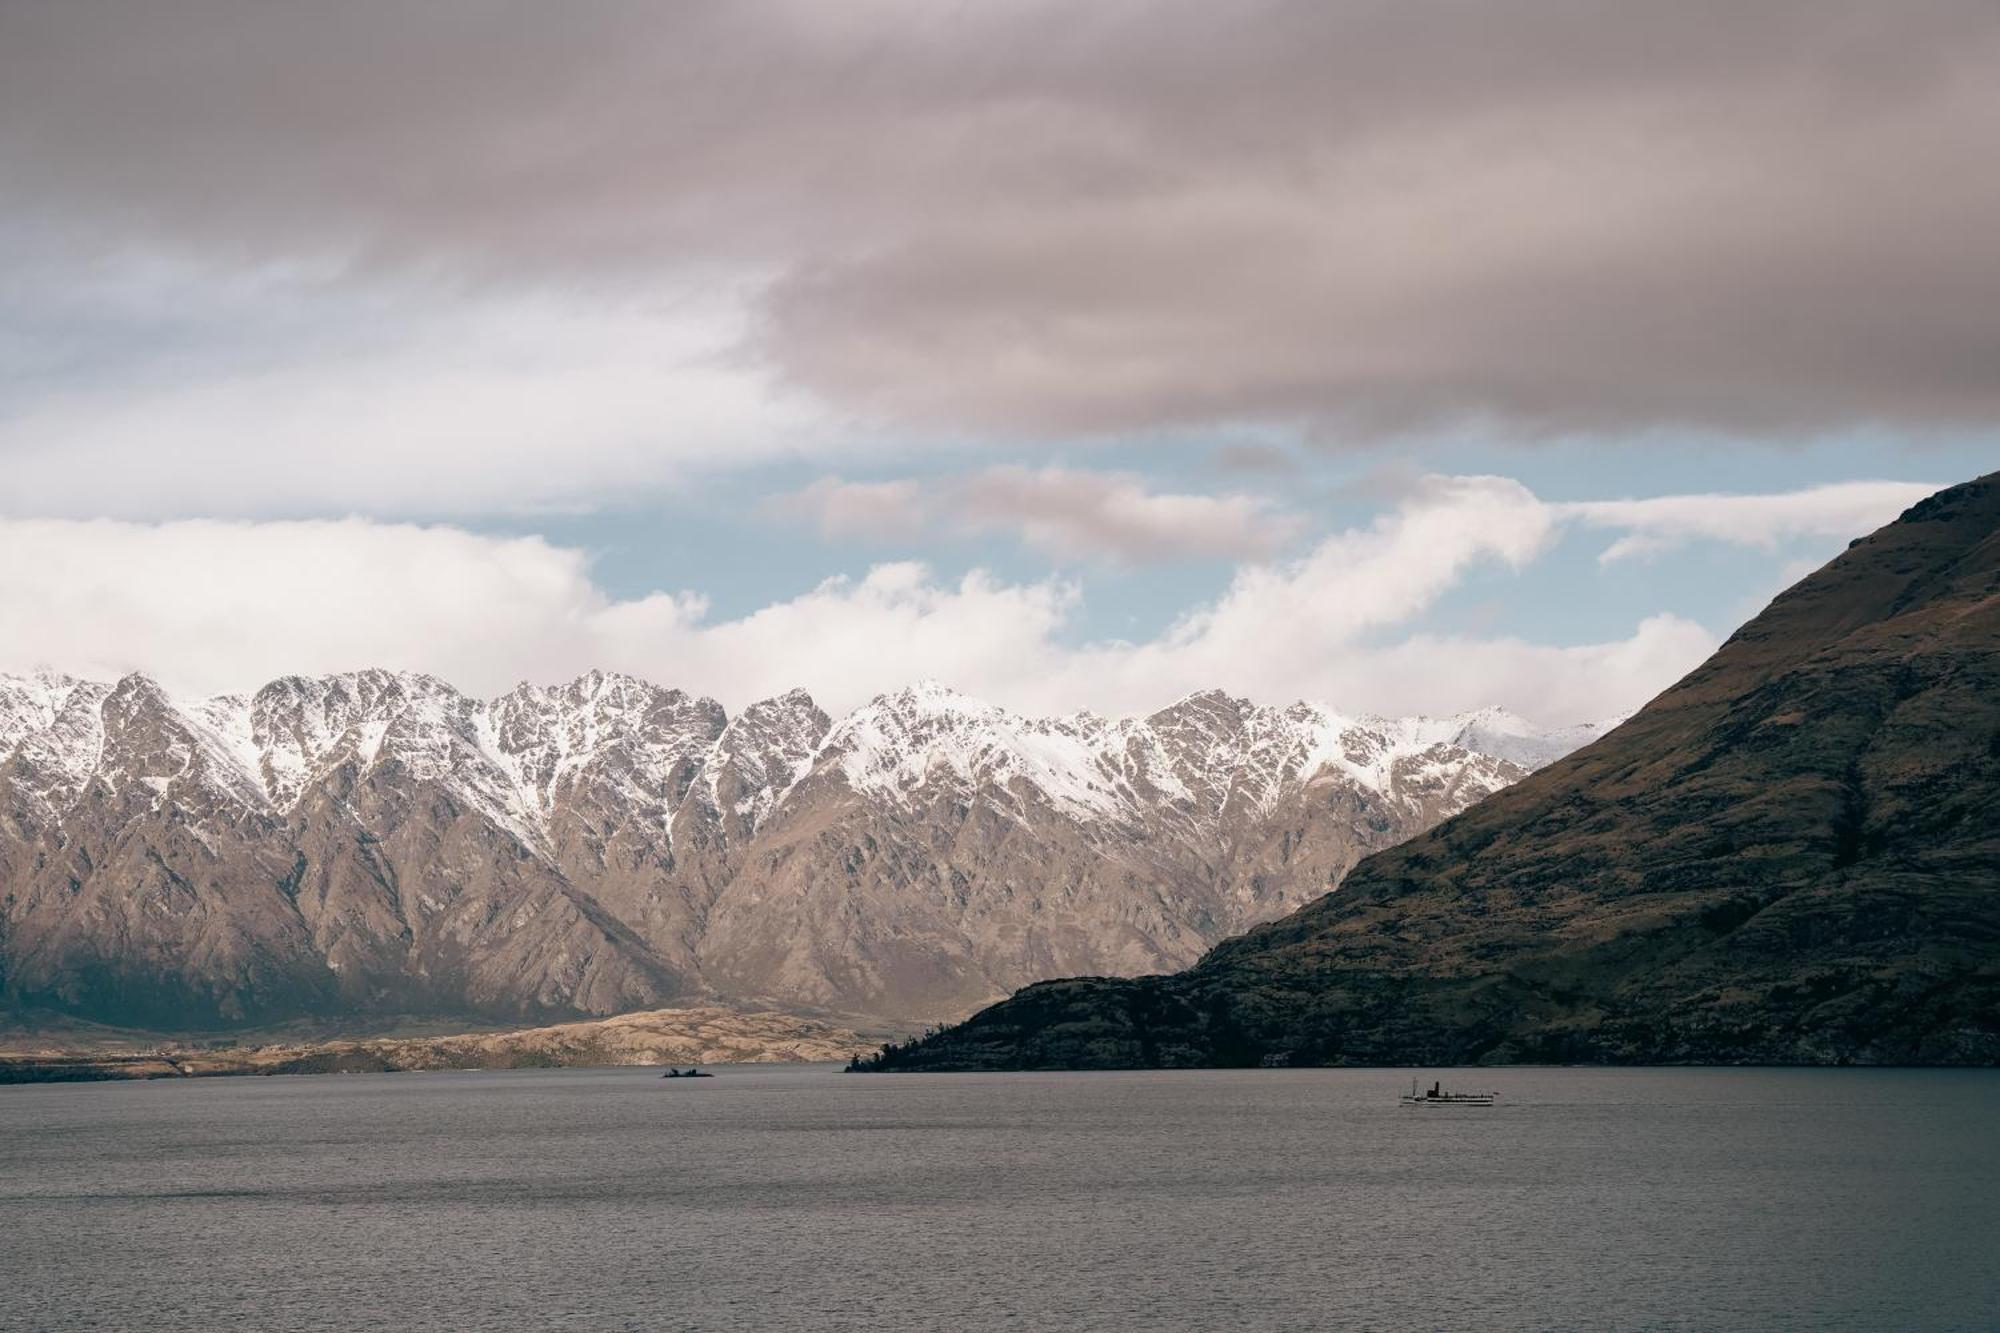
{"points": [[646, 748], [1205, 750], [761, 755], [901, 741], [31, 703], [52, 765]]}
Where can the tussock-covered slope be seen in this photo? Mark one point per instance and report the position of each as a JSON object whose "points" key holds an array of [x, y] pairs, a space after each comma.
{"points": [[652, 1037], [1793, 855]]}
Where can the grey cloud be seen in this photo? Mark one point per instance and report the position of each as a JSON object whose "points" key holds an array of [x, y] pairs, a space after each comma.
{"points": [[1072, 514], [872, 511], [1029, 218], [1065, 513]]}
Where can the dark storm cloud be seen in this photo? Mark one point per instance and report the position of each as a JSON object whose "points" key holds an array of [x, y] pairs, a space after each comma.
{"points": [[1027, 217]]}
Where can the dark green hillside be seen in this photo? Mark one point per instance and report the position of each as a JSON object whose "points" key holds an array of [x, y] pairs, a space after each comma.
{"points": [[1792, 856]]}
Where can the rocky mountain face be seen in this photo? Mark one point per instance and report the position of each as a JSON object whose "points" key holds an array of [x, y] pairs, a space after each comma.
{"points": [[379, 842], [1792, 856]]}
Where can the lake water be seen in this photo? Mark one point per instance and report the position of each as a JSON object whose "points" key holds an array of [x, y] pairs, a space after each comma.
{"points": [[800, 1198]]}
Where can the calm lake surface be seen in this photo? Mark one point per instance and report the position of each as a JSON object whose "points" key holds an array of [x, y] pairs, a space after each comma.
{"points": [[800, 1198]]}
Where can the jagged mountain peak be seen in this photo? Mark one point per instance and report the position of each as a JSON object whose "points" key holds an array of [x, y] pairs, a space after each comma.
{"points": [[929, 697], [783, 709], [137, 685], [759, 757], [615, 688], [1215, 711], [31, 702], [580, 845], [360, 683], [517, 754]]}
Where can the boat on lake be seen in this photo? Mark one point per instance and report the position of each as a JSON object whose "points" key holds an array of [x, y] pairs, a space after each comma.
{"points": [[691, 1073], [1436, 1095]]}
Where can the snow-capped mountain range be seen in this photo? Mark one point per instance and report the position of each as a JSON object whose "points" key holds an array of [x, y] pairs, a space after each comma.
{"points": [[377, 840]]}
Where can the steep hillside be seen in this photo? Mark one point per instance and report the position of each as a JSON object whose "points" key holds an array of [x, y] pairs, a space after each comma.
{"points": [[1793, 855]]}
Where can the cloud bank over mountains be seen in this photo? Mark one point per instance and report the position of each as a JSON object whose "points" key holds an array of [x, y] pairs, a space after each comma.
{"points": [[211, 606], [309, 314]]}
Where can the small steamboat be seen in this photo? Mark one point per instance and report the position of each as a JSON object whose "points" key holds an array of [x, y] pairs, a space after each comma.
{"points": [[1435, 1095]]}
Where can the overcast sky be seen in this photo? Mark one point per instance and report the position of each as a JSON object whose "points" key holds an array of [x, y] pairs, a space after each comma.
{"points": [[1407, 356]]}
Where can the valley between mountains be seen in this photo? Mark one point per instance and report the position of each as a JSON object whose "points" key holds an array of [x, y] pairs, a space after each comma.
{"points": [[377, 845]]}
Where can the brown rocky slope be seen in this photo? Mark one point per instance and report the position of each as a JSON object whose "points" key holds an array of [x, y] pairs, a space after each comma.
{"points": [[377, 844], [706, 1035], [1792, 856]]}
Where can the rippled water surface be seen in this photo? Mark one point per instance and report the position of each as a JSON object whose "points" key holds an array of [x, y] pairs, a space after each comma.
{"points": [[780, 1199]]}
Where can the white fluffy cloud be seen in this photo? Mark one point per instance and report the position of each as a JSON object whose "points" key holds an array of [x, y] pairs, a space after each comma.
{"points": [[1326, 625], [210, 606], [1659, 524]]}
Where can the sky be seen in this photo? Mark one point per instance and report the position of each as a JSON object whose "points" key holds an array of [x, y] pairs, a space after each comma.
{"points": [[1407, 357]]}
